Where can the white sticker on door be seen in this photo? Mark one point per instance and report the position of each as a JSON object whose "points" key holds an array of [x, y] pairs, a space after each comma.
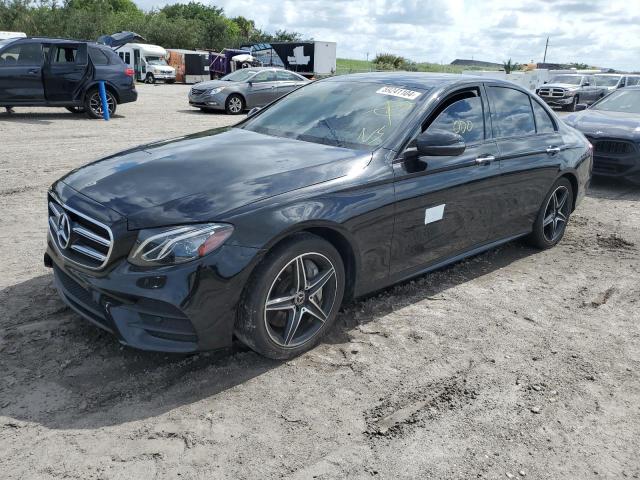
{"points": [[398, 92], [434, 214]]}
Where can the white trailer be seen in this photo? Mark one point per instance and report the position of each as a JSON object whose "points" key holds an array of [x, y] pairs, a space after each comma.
{"points": [[149, 62], [313, 58]]}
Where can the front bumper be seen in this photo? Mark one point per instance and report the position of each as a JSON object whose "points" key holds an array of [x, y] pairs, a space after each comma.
{"points": [[615, 158], [164, 76], [557, 101], [214, 102], [183, 308]]}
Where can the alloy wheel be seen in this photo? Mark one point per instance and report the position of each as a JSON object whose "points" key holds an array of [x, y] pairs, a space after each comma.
{"points": [[556, 214], [300, 300], [235, 105], [95, 104]]}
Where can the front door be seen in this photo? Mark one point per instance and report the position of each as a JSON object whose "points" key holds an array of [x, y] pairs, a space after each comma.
{"points": [[66, 72], [262, 89], [445, 205], [21, 74], [529, 146]]}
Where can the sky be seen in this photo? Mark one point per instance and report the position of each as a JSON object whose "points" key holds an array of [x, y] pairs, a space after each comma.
{"points": [[604, 33]]}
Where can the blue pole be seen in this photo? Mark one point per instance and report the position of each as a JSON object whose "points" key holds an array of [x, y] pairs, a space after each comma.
{"points": [[103, 98]]}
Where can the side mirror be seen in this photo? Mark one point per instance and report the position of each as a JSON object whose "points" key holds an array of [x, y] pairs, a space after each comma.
{"points": [[545, 82], [440, 143], [585, 84], [581, 106], [253, 111]]}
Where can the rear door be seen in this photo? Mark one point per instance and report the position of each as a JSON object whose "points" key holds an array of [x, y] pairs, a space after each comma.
{"points": [[445, 206], [288, 81], [21, 73], [529, 145], [66, 71], [263, 88]]}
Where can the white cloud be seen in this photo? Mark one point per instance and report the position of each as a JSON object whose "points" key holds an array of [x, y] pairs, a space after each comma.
{"points": [[599, 32]]}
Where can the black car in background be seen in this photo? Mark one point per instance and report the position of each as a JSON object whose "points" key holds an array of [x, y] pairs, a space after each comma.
{"points": [[46, 72], [338, 189], [612, 125]]}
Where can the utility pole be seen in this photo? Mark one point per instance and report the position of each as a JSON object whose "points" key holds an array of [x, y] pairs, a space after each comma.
{"points": [[544, 60]]}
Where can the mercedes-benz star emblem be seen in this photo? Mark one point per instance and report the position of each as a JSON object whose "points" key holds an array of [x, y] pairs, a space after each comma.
{"points": [[64, 231]]}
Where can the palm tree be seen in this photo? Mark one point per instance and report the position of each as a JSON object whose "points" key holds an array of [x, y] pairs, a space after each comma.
{"points": [[510, 66]]}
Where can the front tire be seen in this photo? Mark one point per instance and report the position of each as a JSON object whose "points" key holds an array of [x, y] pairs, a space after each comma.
{"points": [[234, 104], [574, 105], [292, 298], [553, 217], [93, 104], [150, 78]]}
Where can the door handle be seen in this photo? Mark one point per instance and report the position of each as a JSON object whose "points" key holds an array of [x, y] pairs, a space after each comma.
{"points": [[33, 71], [553, 150], [485, 159]]}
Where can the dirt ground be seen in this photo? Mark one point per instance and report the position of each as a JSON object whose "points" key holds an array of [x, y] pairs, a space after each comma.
{"points": [[516, 363]]}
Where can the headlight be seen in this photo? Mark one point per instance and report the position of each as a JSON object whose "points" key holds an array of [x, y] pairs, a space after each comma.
{"points": [[170, 246], [216, 90]]}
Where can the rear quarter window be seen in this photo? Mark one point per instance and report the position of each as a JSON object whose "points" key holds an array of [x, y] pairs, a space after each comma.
{"points": [[98, 57]]}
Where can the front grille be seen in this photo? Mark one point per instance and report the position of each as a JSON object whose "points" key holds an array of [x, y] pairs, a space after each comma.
{"points": [[197, 91], [78, 237], [551, 92], [613, 157], [612, 146]]}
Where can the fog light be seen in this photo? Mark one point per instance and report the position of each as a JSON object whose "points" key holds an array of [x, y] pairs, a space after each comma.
{"points": [[152, 282]]}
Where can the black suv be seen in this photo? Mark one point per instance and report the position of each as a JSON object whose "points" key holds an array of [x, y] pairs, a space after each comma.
{"points": [[47, 72]]}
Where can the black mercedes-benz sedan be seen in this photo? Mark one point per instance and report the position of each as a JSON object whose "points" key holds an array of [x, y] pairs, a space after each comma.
{"points": [[612, 125], [343, 187]]}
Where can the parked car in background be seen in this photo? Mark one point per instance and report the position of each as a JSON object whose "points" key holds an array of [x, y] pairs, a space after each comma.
{"points": [[245, 88], [7, 35], [612, 125], [48, 72], [613, 81], [567, 90], [149, 62], [343, 187]]}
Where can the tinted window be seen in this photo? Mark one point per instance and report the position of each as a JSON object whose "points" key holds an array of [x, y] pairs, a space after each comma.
{"points": [[620, 101], [511, 114], [287, 76], [98, 57], [64, 54], [544, 124], [268, 76], [22, 54], [633, 81], [464, 117]]}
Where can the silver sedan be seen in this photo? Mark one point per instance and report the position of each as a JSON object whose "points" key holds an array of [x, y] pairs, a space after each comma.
{"points": [[244, 89]]}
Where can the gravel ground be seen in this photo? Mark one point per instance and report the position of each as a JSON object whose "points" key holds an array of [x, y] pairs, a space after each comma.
{"points": [[514, 363]]}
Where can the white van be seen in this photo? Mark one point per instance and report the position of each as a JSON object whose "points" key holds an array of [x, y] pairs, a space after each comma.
{"points": [[7, 35], [149, 62]]}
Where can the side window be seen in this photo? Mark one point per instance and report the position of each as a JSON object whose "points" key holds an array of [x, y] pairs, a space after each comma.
{"points": [[633, 81], [267, 76], [463, 115], [544, 124], [511, 114], [22, 54], [64, 54], [283, 76], [98, 57]]}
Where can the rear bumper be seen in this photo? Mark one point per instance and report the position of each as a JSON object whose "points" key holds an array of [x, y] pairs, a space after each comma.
{"points": [[181, 309], [128, 96]]}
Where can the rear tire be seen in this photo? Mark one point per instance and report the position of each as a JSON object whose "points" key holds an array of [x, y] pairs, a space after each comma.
{"points": [[292, 298], [553, 217], [93, 104], [234, 104]]}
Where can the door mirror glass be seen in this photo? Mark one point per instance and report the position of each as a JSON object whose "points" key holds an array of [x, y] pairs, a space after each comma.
{"points": [[581, 106], [253, 111], [440, 143]]}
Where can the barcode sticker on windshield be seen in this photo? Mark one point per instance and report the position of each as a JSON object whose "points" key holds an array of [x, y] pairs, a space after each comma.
{"points": [[399, 92]]}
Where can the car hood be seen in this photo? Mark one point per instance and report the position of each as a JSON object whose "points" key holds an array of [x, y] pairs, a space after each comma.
{"points": [[214, 84], [598, 123], [204, 177], [568, 86]]}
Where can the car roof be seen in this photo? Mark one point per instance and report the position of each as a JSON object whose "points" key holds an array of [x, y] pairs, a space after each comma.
{"points": [[423, 80], [58, 40]]}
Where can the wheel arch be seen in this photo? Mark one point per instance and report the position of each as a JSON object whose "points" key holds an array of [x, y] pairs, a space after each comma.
{"points": [[573, 179], [244, 99], [109, 86], [338, 238]]}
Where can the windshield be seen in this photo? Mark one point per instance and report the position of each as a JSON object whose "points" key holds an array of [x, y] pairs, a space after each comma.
{"points": [[340, 113], [239, 75], [607, 80], [6, 42], [620, 101], [570, 79], [156, 61]]}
